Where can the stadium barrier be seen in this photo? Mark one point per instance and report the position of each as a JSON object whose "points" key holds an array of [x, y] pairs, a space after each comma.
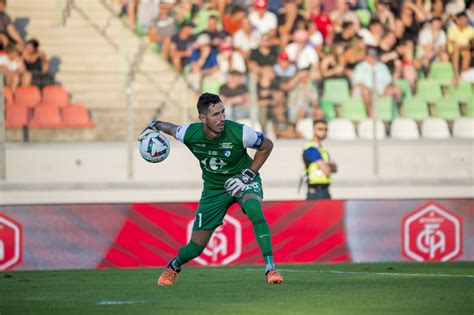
{"points": [[34, 237]]}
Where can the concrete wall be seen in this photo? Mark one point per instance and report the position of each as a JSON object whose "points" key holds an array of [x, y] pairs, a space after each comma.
{"points": [[97, 172]]}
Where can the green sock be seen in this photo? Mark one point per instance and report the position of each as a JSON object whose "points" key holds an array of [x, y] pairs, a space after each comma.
{"points": [[253, 209], [188, 252]]}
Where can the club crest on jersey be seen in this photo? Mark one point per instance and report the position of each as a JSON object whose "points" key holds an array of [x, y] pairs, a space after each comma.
{"points": [[226, 153], [226, 145]]}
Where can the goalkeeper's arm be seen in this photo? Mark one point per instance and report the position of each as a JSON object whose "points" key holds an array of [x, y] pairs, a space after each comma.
{"points": [[157, 126], [262, 154]]}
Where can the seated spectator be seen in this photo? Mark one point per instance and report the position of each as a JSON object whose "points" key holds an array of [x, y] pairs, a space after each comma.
{"points": [[384, 15], [233, 22], [332, 65], [229, 59], [389, 56], [264, 21], [203, 61], [354, 54], [12, 66], [372, 34], [345, 36], [289, 20], [282, 128], [302, 98], [235, 96], [344, 13], [246, 39], [409, 22], [322, 21], [162, 29], [363, 81], [432, 42], [285, 72], [214, 33], [460, 36], [8, 32], [37, 64], [203, 11], [301, 52], [181, 47]]}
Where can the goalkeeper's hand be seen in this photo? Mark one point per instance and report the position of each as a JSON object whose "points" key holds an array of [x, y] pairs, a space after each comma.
{"points": [[149, 129], [236, 185]]}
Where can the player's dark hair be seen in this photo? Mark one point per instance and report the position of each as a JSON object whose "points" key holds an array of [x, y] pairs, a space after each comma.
{"points": [[206, 100], [319, 121]]}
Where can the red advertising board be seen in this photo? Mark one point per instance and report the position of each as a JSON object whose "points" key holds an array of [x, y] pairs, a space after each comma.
{"points": [[11, 249]]}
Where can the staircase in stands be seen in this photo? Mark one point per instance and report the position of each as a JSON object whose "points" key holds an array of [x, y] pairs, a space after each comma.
{"points": [[95, 50]]}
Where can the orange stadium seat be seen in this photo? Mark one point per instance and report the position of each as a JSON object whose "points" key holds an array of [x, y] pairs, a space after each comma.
{"points": [[55, 95], [46, 117], [28, 95], [7, 95], [76, 116], [16, 116]]}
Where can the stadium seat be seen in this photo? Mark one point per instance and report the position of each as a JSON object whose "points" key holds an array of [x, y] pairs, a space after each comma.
{"points": [[463, 128], [404, 86], [462, 92], [76, 116], [404, 128], [386, 109], [364, 16], [55, 95], [435, 128], [415, 108], [16, 116], [28, 95], [305, 127], [336, 90], [329, 109], [365, 129], [448, 108], [469, 108], [211, 85], [341, 129], [46, 117], [7, 95], [430, 90], [442, 72], [249, 122], [353, 109]]}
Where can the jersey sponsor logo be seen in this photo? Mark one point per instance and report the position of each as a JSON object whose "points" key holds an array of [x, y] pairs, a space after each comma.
{"points": [[227, 153], [432, 233], [226, 145], [213, 163], [225, 245]]}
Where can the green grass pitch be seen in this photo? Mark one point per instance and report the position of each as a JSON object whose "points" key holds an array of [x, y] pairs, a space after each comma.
{"points": [[397, 288]]}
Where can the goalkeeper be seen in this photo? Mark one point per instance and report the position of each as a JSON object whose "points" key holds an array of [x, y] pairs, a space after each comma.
{"points": [[229, 174]]}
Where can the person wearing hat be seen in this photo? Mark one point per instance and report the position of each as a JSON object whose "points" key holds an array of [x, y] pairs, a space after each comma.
{"points": [[263, 20], [181, 46], [363, 80]]}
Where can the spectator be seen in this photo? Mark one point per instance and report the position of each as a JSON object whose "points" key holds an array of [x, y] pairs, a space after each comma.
{"points": [[282, 128], [410, 21], [322, 22], [432, 42], [460, 36], [12, 66], [162, 29], [262, 20], [372, 34], [354, 54], [363, 80], [37, 64], [181, 47], [332, 65], [285, 72], [233, 22], [345, 36], [246, 39], [389, 56], [203, 61], [301, 52], [229, 59], [214, 33], [235, 96], [470, 14], [8, 31], [384, 15], [318, 164], [289, 20], [147, 11], [343, 14], [204, 12]]}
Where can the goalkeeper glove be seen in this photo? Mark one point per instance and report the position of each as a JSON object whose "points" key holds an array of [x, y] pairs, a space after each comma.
{"points": [[236, 185], [149, 129]]}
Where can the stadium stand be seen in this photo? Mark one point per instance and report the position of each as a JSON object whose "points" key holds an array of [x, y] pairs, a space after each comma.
{"points": [[435, 128]]}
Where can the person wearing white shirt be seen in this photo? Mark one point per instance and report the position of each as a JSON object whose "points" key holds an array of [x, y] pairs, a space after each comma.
{"points": [[262, 20]]}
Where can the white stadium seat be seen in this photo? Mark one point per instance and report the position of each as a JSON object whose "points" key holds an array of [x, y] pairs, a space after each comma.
{"points": [[404, 128], [435, 128], [341, 129], [305, 127], [463, 128], [365, 129]]}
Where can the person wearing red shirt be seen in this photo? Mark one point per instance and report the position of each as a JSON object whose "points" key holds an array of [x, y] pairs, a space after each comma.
{"points": [[322, 22]]}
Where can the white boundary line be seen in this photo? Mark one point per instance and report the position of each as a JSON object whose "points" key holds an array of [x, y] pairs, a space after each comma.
{"points": [[123, 302], [367, 273]]}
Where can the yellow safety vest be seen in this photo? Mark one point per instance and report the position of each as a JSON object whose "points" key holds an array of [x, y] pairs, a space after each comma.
{"points": [[314, 173]]}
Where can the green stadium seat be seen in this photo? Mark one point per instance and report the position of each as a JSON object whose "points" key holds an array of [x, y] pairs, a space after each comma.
{"points": [[328, 109], [448, 108], [386, 109], [404, 85], [336, 90], [430, 90], [211, 85], [353, 109], [364, 16], [462, 92], [415, 108], [469, 108], [442, 72]]}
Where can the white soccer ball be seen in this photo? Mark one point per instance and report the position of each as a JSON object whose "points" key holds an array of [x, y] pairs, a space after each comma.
{"points": [[155, 147]]}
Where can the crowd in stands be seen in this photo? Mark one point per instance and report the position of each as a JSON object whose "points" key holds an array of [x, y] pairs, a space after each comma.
{"points": [[311, 58]]}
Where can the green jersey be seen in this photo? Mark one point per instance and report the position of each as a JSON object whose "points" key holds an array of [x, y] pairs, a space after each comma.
{"points": [[223, 157]]}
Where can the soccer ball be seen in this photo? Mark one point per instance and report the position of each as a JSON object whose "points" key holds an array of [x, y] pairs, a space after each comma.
{"points": [[155, 147]]}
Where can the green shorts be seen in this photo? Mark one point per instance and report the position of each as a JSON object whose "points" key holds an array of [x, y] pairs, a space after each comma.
{"points": [[214, 204]]}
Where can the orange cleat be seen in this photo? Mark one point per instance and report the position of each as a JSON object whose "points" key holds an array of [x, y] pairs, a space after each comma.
{"points": [[274, 277], [167, 276]]}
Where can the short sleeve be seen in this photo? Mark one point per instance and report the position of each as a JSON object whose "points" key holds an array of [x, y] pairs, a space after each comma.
{"points": [[251, 138], [180, 132], [312, 154]]}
